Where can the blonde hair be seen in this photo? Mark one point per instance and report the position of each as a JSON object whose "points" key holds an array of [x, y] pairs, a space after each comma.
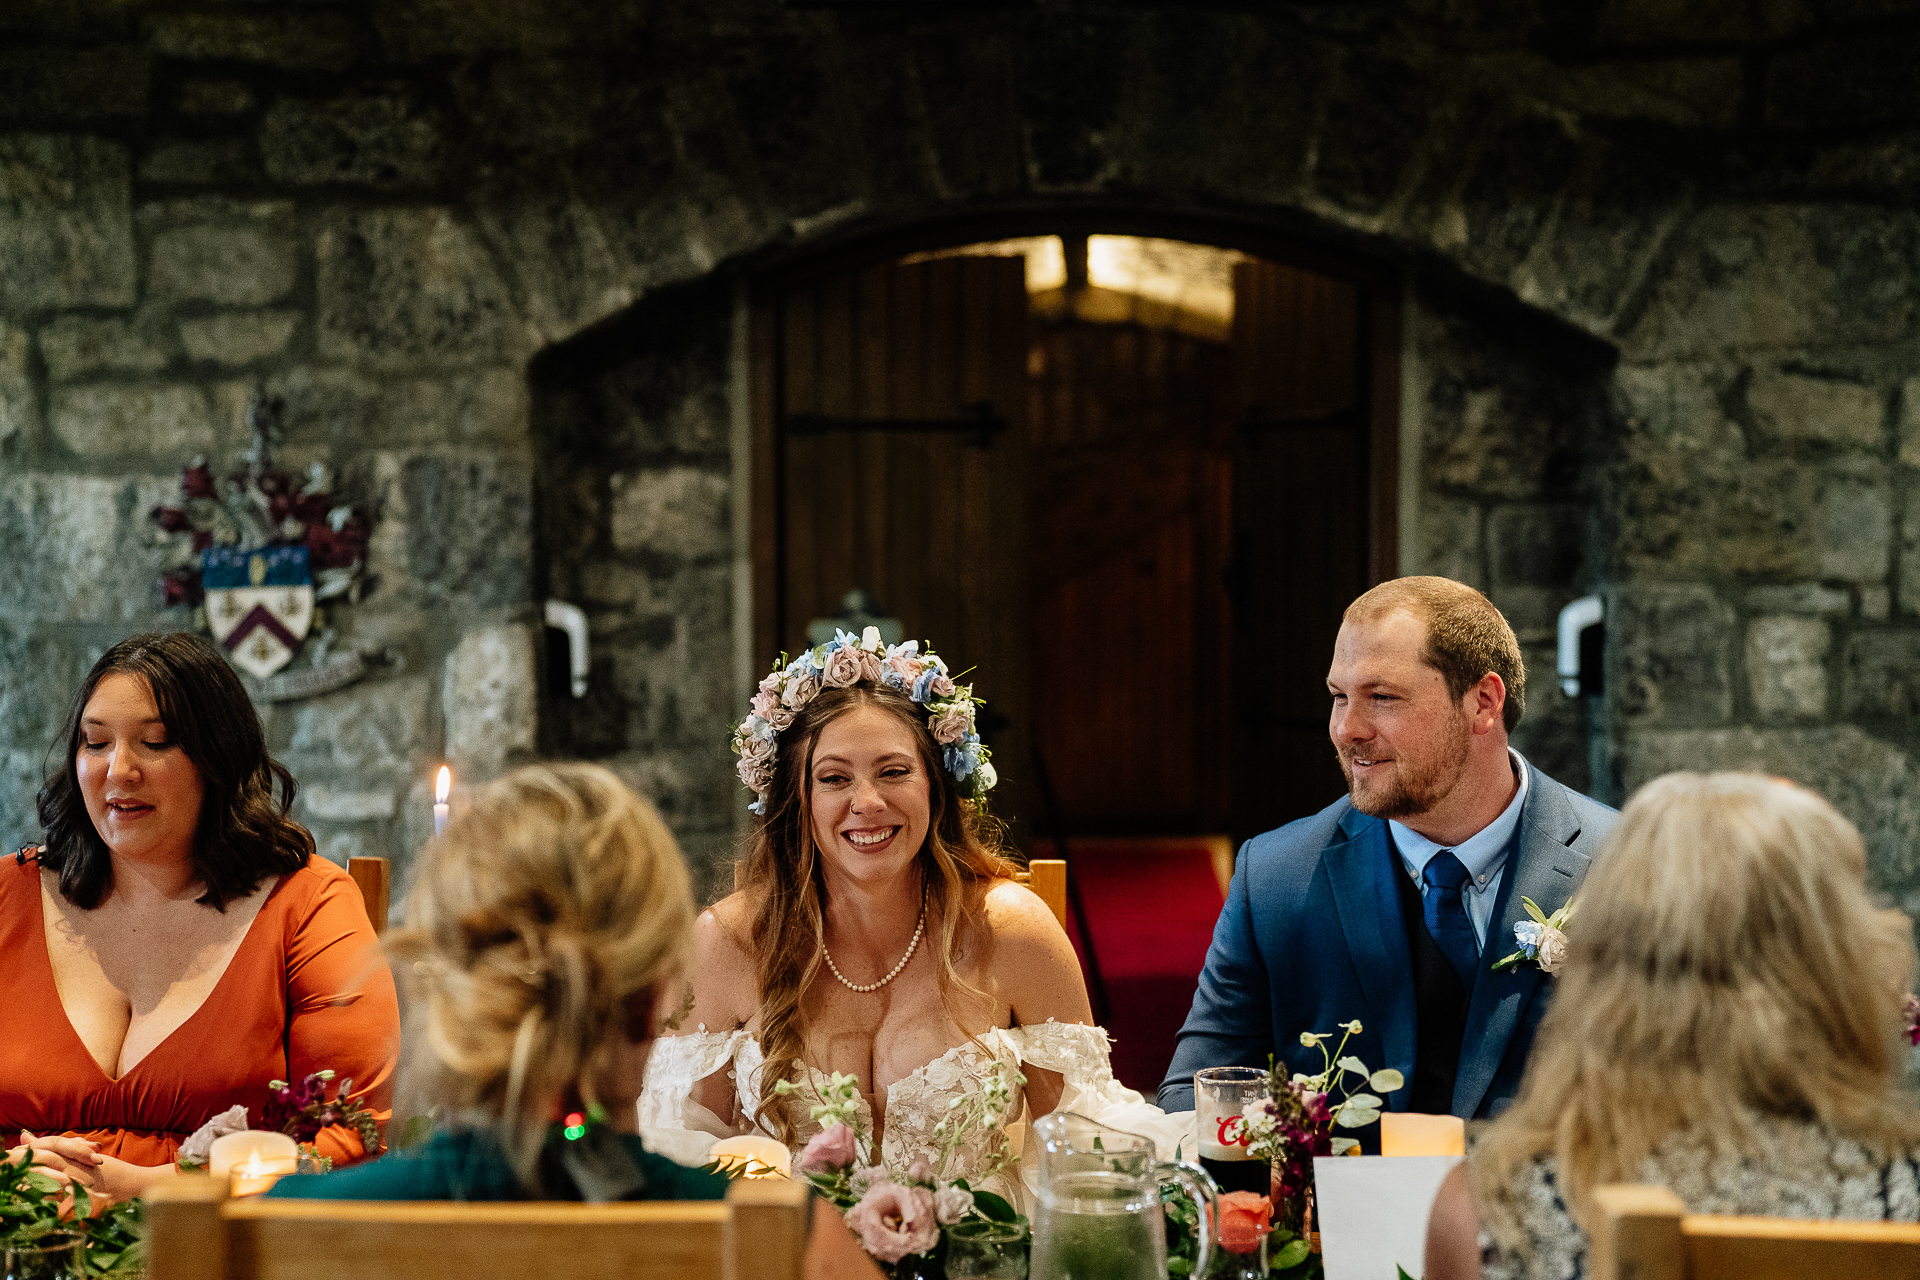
{"points": [[538, 927], [1466, 635], [1725, 962], [785, 886]]}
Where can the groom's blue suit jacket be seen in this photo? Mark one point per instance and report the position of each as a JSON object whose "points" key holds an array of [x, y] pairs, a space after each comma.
{"points": [[1312, 936]]}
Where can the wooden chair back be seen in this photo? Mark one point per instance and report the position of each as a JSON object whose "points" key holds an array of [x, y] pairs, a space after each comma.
{"points": [[373, 875], [196, 1232], [1048, 878], [1646, 1233]]}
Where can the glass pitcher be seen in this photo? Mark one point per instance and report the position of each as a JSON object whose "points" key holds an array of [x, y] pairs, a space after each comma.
{"points": [[1097, 1215]]}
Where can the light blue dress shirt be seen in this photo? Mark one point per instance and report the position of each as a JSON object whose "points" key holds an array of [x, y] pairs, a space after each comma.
{"points": [[1483, 854]]}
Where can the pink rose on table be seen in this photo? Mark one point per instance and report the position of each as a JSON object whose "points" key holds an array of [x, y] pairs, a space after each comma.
{"points": [[1245, 1217], [893, 1221], [831, 1150], [952, 1203], [844, 668], [953, 724]]}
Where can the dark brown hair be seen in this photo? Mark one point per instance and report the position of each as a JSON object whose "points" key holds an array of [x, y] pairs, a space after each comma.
{"points": [[785, 886], [244, 834], [1466, 636]]}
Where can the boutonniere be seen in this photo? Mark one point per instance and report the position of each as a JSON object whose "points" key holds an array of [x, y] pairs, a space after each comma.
{"points": [[1542, 939]]}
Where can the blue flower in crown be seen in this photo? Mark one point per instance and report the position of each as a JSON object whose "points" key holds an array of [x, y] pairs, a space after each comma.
{"points": [[848, 660]]}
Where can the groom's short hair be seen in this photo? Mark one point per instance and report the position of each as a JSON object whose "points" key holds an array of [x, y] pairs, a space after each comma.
{"points": [[1466, 636]]}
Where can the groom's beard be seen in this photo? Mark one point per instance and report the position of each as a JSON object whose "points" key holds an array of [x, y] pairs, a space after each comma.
{"points": [[1416, 786]]}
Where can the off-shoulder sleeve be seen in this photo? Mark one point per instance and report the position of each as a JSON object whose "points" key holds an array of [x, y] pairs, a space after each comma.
{"points": [[1082, 1056], [671, 1122], [342, 1014]]}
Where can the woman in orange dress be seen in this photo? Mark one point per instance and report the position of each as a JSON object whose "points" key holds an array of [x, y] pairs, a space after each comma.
{"points": [[177, 944]]}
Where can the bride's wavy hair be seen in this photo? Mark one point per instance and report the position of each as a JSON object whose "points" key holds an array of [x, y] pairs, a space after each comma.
{"points": [[785, 885], [540, 927], [1726, 962], [244, 834]]}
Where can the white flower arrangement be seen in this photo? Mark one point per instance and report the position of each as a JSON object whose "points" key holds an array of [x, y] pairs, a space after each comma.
{"points": [[847, 660]]}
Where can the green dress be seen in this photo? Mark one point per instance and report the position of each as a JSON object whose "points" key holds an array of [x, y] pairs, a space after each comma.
{"points": [[468, 1164]]}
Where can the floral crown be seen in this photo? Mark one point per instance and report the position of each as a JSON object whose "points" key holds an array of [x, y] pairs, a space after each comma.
{"points": [[847, 660]]}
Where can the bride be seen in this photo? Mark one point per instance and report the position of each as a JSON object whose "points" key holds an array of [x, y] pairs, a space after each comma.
{"points": [[876, 931]]}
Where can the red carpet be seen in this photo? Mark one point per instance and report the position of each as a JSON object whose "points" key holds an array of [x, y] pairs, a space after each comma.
{"points": [[1151, 907]]}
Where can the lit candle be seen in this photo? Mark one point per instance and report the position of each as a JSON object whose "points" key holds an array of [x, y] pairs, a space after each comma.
{"points": [[441, 786], [254, 1159], [1408, 1133], [752, 1155]]}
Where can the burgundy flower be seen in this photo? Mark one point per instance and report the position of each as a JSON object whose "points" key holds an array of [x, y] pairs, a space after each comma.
{"points": [[197, 481], [181, 586], [172, 519]]}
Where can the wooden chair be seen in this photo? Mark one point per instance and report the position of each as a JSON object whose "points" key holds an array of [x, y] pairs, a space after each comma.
{"points": [[196, 1232], [373, 876], [1048, 878], [1646, 1233]]}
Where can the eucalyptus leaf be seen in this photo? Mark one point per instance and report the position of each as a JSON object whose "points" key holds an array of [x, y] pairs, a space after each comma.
{"points": [[1387, 1080], [1343, 1145], [1292, 1254], [1366, 1101], [1353, 1065]]}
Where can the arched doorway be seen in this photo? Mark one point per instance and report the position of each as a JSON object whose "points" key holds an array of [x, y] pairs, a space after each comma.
{"points": [[1129, 478]]}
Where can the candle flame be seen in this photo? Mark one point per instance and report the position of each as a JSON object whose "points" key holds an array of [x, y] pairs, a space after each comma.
{"points": [[254, 1168], [442, 785]]}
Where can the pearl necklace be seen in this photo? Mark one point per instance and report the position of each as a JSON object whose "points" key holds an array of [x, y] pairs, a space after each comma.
{"points": [[918, 929]]}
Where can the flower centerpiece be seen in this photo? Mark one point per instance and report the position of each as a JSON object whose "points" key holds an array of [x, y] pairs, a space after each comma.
{"points": [[902, 1215], [300, 1111]]}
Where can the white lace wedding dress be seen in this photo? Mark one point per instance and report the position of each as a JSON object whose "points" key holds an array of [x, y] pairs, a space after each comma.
{"points": [[673, 1124]]}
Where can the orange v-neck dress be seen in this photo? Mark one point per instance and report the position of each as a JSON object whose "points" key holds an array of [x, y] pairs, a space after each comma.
{"points": [[307, 990]]}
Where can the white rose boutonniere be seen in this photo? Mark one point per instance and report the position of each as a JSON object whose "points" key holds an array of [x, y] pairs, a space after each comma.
{"points": [[1542, 939]]}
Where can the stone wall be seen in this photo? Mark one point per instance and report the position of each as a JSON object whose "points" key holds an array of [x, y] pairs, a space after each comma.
{"points": [[385, 211]]}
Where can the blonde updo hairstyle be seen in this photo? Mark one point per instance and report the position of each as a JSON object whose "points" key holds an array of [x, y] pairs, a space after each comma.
{"points": [[539, 928], [1726, 961]]}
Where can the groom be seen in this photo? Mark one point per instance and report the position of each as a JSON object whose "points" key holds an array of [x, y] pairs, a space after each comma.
{"points": [[1391, 906]]}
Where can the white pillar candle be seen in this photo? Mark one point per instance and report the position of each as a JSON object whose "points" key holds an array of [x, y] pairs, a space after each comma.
{"points": [[754, 1155], [254, 1158]]}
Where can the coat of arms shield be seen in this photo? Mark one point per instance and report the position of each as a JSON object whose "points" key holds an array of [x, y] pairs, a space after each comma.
{"points": [[259, 604]]}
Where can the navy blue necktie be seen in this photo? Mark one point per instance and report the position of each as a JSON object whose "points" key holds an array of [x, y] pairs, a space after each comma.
{"points": [[1446, 913]]}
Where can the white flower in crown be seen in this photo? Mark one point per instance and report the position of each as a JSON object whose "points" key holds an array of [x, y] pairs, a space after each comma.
{"points": [[848, 660]]}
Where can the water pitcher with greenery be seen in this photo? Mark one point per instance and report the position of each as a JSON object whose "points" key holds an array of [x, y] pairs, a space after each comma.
{"points": [[1097, 1213]]}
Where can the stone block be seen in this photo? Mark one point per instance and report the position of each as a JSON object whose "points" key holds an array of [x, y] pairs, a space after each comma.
{"points": [[75, 346], [1452, 541], [54, 84], [1800, 597], [1910, 422], [331, 804], [235, 265], [491, 700], [683, 512], [1541, 546], [168, 422], [1853, 525], [484, 406], [19, 406], [1871, 782], [1760, 277], [469, 527], [1670, 655], [1876, 603], [1880, 674], [1661, 22], [214, 98], [66, 225], [1521, 163], [387, 141], [79, 547], [407, 285], [1850, 82], [365, 735], [1796, 406], [1787, 666], [238, 337], [54, 665], [301, 41], [201, 161], [1375, 121]]}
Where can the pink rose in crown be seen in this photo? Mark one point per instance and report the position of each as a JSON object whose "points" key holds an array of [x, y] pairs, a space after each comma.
{"points": [[952, 725], [908, 669], [770, 683], [870, 668], [943, 686], [893, 1221], [800, 691], [844, 668], [831, 1150], [765, 703]]}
